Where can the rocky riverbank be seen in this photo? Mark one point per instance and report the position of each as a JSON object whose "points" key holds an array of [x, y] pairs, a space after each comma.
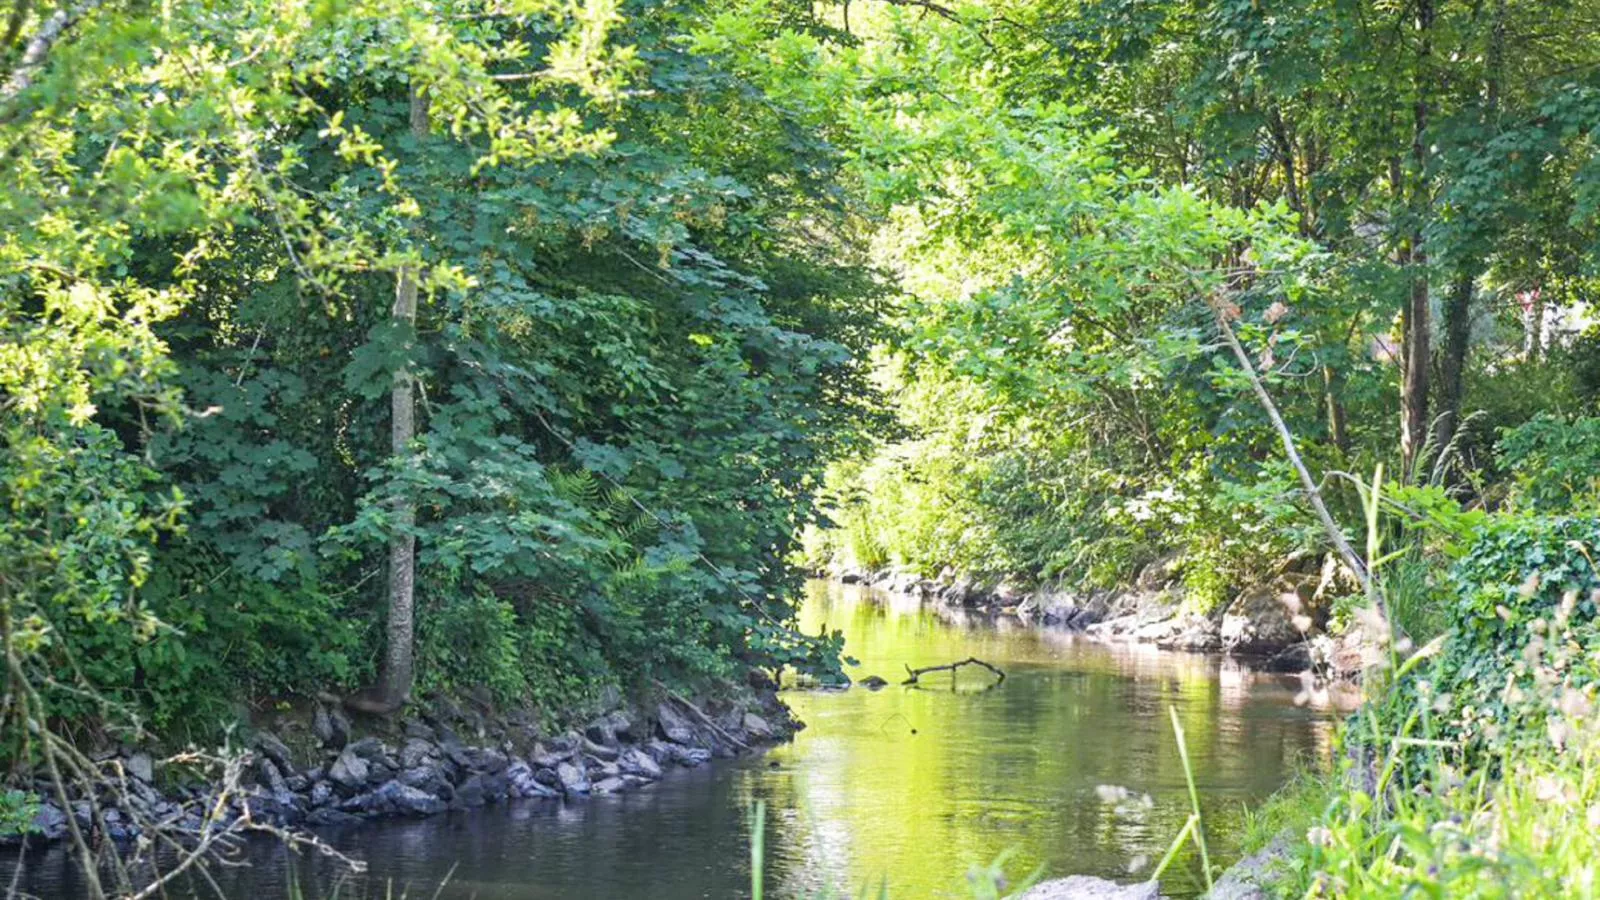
{"points": [[1279, 624], [321, 767]]}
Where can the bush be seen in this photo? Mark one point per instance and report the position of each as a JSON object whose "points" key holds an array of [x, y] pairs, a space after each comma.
{"points": [[1554, 463], [1524, 618]]}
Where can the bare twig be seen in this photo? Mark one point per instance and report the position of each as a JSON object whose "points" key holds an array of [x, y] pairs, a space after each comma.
{"points": [[951, 667]]}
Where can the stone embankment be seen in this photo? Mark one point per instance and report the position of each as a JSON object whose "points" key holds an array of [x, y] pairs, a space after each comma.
{"points": [[314, 771], [1279, 624]]}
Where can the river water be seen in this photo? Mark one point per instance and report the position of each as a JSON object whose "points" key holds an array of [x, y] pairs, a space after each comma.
{"points": [[912, 787]]}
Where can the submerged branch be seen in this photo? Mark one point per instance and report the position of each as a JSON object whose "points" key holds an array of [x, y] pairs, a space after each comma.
{"points": [[951, 667]]}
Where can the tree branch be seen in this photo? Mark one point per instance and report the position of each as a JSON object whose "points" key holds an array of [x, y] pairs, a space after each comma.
{"points": [[33, 59], [951, 667]]}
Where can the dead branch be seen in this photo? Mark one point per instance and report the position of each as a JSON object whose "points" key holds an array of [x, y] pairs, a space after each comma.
{"points": [[951, 667]]}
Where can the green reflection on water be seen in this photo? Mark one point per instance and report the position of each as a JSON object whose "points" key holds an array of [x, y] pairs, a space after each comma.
{"points": [[917, 785]]}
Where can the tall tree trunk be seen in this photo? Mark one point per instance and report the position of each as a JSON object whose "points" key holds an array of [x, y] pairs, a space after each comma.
{"points": [[1338, 421], [398, 660], [1453, 359], [1416, 325]]}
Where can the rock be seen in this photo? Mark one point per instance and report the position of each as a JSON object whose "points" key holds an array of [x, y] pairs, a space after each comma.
{"points": [[638, 762], [139, 767], [609, 785], [873, 683], [270, 778], [757, 727], [522, 783], [321, 793], [427, 778], [673, 725], [692, 756], [470, 793], [50, 822], [1267, 618], [599, 751], [419, 731], [368, 748], [269, 746], [394, 799], [328, 816], [621, 725], [350, 770], [600, 732], [416, 752], [1082, 887], [1252, 878], [331, 728], [572, 779]]}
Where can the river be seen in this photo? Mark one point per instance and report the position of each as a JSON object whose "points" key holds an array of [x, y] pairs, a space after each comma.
{"points": [[906, 786]]}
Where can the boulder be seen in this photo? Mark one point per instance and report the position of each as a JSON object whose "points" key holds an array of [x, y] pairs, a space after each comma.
{"points": [[470, 793], [139, 767], [350, 770], [50, 822], [330, 817], [673, 725], [1082, 887], [331, 728], [1252, 878], [271, 747], [394, 799], [321, 793], [637, 762], [599, 751], [416, 752], [573, 779], [1266, 619], [873, 683], [621, 725], [368, 748], [609, 785], [757, 727], [427, 778]]}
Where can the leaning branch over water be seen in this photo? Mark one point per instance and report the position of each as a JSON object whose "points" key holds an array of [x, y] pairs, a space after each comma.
{"points": [[951, 667]]}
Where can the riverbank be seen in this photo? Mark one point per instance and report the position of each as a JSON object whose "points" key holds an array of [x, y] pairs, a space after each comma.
{"points": [[1282, 624], [319, 765]]}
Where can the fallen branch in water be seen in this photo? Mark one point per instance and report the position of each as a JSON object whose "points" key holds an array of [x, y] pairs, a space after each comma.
{"points": [[951, 667]]}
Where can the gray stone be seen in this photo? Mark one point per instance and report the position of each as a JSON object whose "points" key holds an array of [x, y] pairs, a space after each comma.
{"points": [[368, 748], [139, 766], [609, 785], [269, 776], [1267, 618], [276, 750], [621, 725], [321, 793], [328, 816], [1082, 887], [599, 751], [470, 793], [638, 762], [50, 822], [350, 770], [427, 778], [757, 727], [673, 725], [416, 752], [573, 779], [1252, 878]]}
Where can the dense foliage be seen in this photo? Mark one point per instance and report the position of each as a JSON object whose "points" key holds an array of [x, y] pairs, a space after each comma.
{"points": [[643, 306]]}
